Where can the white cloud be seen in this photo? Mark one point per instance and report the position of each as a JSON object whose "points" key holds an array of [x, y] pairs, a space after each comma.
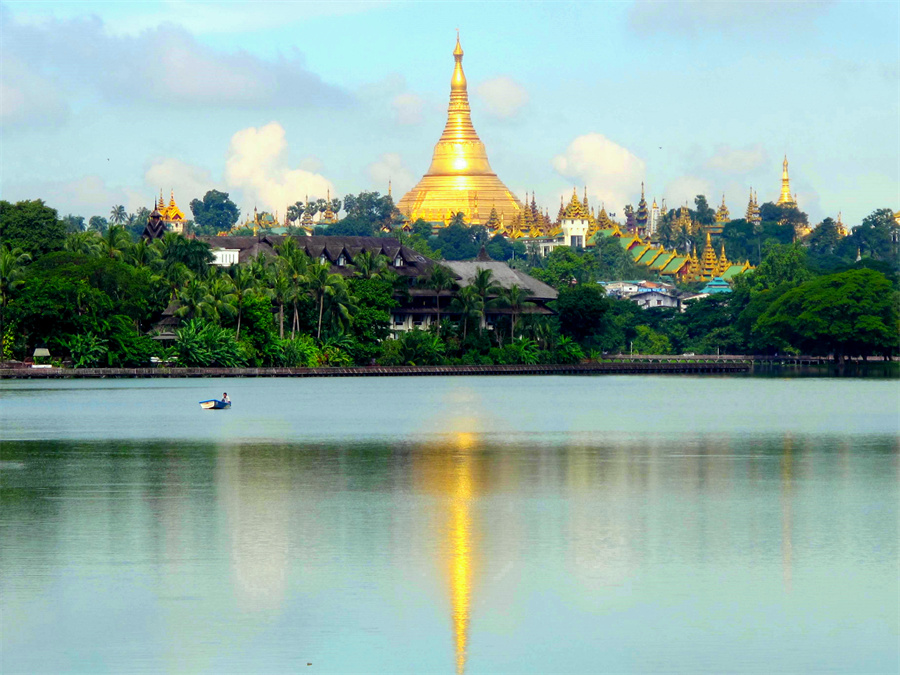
{"points": [[390, 167], [189, 181], [685, 188], [698, 17], [612, 174], [257, 165], [164, 65], [408, 108], [737, 160], [503, 97]]}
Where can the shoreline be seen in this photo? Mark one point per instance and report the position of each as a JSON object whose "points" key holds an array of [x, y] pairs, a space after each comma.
{"points": [[619, 368]]}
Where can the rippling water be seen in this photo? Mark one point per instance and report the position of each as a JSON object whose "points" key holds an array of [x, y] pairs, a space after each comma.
{"points": [[477, 525]]}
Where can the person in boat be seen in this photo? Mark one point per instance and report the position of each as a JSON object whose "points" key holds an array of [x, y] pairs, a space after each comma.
{"points": [[225, 398]]}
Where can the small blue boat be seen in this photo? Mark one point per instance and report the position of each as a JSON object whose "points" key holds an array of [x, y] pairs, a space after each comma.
{"points": [[213, 404]]}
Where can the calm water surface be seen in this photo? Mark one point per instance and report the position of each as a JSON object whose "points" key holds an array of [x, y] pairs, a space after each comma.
{"points": [[450, 525]]}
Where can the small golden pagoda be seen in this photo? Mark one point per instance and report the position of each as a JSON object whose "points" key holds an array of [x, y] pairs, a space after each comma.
{"points": [[786, 199], [752, 215], [460, 172], [841, 228]]}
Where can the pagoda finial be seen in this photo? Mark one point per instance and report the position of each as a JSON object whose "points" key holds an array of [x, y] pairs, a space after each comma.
{"points": [[389, 188], [642, 189]]}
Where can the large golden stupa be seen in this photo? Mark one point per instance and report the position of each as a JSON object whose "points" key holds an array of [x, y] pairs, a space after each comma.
{"points": [[460, 177]]}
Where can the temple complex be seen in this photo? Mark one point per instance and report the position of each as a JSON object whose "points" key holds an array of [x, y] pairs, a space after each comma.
{"points": [[460, 178]]}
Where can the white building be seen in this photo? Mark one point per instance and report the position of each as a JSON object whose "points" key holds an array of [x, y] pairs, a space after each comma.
{"points": [[653, 299], [225, 257]]}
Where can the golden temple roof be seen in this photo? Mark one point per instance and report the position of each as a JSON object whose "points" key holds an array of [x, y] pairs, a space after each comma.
{"points": [[460, 172], [575, 209]]}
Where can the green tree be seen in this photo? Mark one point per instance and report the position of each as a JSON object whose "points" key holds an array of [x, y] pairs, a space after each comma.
{"points": [[31, 226], [372, 319], [877, 237], [320, 282], [215, 213], [649, 341], [440, 280], [469, 304], [98, 224], [846, 314], [370, 266], [782, 264], [115, 241], [581, 310], [516, 299], [245, 286], [205, 345], [118, 215], [367, 211], [705, 215], [12, 269], [74, 223]]}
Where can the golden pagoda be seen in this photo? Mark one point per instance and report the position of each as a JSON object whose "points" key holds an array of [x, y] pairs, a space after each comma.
{"points": [[753, 216], [786, 199], [841, 228], [459, 171], [329, 216]]}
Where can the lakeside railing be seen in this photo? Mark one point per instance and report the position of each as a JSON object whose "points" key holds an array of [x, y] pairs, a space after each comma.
{"points": [[624, 366]]}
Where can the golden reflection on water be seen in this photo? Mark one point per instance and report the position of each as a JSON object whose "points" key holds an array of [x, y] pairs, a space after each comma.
{"points": [[447, 469], [461, 546]]}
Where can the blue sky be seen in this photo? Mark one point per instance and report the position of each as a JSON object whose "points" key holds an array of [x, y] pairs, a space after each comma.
{"points": [[106, 103]]}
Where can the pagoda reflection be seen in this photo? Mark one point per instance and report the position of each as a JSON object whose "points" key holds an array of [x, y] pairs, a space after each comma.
{"points": [[449, 470]]}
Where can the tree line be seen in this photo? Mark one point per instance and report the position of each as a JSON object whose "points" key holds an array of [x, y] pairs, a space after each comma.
{"points": [[93, 298]]}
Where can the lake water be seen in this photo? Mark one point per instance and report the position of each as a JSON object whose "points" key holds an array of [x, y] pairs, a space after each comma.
{"points": [[606, 524]]}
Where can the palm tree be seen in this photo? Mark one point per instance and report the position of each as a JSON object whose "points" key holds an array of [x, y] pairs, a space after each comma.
{"points": [[483, 283], [244, 286], [295, 212], [369, 266], [114, 241], [440, 280], [222, 298], [177, 277], [281, 292], [12, 267], [118, 215], [514, 297], [259, 266], [194, 300], [320, 282], [295, 263], [470, 305], [340, 307], [85, 243], [141, 254]]}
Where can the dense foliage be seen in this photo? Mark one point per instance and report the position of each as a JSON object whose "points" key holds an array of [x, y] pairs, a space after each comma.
{"points": [[93, 295]]}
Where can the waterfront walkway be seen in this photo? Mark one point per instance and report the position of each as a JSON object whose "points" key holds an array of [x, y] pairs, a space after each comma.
{"points": [[619, 366]]}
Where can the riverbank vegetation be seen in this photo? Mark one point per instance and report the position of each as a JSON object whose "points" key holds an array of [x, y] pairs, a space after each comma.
{"points": [[93, 299]]}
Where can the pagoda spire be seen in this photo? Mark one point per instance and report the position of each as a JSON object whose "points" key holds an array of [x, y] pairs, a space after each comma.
{"points": [[786, 199], [459, 164]]}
